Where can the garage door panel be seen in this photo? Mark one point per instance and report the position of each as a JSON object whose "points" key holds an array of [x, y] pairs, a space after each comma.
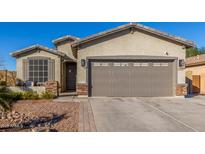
{"points": [[120, 80], [132, 78], [140, 80], [162, 80], [101, 79]]}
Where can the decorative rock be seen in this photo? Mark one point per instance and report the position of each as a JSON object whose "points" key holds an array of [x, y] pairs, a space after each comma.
{"points": [[9, 116], [3, 116], [33, 130], [13, 112]]}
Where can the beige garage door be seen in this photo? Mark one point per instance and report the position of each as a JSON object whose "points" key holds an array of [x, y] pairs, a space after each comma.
{"points": [[132, 78]]}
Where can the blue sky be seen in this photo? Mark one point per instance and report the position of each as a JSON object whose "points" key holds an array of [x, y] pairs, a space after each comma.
{"points": [[14, 36]]}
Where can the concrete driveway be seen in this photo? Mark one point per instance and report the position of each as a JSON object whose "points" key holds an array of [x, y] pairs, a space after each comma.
{"points": [[174, 114]]}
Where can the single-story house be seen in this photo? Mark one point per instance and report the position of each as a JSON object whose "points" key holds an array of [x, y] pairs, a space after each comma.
{"points": [[195, 74], [129, 60]]}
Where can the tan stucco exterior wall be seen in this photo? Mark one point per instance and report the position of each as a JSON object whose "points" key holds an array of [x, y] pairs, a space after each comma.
{"points": [[19, 63], [137, 43], [66, 48], [197, 70]]}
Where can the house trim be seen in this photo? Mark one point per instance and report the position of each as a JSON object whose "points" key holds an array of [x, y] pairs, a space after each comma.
{"points": [[38, 48], [132, 26]]}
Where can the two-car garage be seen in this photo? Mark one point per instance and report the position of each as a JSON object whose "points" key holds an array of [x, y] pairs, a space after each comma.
{"points": [[132, 76], [131, 61]]}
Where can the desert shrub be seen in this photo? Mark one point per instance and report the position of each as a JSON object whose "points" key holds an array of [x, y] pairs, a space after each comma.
{"points": [[30, 95], [5, 96], [47, 95], [3, 89], [11, 96], [16, 96], [8, 97], [5, 105]]}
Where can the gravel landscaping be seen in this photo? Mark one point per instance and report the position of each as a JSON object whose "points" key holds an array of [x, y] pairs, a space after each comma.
{"points": [[41, 116]]}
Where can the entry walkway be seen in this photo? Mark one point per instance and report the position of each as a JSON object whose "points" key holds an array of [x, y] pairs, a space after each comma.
{"points": [[86, 118]]}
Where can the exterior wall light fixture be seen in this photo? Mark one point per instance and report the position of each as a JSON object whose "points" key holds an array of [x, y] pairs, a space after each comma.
{"points": [[83, 62]]}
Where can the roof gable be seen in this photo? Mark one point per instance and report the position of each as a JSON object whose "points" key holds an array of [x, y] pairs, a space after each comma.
{"points": [[65, 38], [131, 26], [33, 47]]}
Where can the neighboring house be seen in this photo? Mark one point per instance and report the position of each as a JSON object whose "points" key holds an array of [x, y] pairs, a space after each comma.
{"points": [[129, 60], [195, 74], [9, 77]]}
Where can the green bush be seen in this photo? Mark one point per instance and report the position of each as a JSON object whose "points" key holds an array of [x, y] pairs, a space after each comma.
{"points": [[3, 89], [12, 96], [5, 96], [5, 105], [47, 95], [16, 96], [30, 95], [8, 97]]}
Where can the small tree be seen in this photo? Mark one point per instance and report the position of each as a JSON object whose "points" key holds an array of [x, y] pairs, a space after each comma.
{"points": [[195, 51], [202, 50], [192, 52]]}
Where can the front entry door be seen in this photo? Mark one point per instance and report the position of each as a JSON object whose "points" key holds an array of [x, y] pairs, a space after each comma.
{"points": [[71, 76]]}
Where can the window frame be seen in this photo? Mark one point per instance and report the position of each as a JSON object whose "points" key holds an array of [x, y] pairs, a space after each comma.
{"points": [[36, 69]]}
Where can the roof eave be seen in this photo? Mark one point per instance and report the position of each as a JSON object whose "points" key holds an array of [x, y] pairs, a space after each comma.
{"points": [[187, 44], [19, 52], [182, 41], [61, 39], [195, 64]]}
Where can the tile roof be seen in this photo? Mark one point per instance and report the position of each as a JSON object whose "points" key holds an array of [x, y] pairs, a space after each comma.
{"points": [[63, 38], [53, 51], [185, 42]]}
